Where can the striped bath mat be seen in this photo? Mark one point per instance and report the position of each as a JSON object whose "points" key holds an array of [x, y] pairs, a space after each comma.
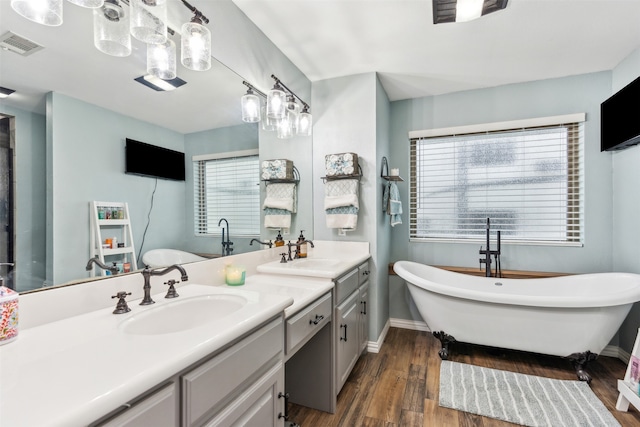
{"points": [[521, 399]]}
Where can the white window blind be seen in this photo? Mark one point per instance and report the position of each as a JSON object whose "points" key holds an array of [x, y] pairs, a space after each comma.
{"points": [[528, 181], [227, 188]]}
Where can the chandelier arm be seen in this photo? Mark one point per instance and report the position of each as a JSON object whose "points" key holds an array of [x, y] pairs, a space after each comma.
{"points": [[278, 81]]}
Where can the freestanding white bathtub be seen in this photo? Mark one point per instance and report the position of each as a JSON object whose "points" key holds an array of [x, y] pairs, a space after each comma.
{"points": [[165, 257], [569, 316]]}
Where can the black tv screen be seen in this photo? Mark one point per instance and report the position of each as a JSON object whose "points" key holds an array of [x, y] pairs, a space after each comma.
{"points": [[151, 160], [620, 118]]}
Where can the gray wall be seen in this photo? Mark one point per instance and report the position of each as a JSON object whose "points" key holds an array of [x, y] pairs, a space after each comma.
{"points": [[626, 204], [576, 94], [221, 140], [86, 155]]}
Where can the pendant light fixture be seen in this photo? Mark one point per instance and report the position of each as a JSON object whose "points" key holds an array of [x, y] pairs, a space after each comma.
{"points": [[292, 121], [46, 12], [161, 60], [91, 4], [250, 107], [196, 43], [305, 122], [148, 21], [276, 102], [111, 29]]}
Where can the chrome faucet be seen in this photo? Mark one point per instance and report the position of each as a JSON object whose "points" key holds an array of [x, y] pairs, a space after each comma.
{"points": [[269, 243], [488, 252], [297, 245], [112, 269], [148, 272], [226, 245]]}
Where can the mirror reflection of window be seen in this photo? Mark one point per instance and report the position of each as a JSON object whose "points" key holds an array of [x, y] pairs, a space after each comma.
{"points": [[227, 186]]}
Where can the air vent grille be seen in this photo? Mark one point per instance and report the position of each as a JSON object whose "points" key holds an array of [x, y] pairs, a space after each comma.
{"points": [[18, 44]]}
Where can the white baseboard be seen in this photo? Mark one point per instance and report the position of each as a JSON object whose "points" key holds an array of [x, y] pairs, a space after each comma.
{"points": [[375, 346], [610, 350]]}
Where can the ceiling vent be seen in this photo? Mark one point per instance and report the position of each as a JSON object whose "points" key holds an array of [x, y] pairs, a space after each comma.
{"points": [[18, 44]]}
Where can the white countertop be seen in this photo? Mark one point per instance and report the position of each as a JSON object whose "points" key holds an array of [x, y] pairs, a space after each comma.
{"points": [[72, 363], [73, 371], [303, 290]]}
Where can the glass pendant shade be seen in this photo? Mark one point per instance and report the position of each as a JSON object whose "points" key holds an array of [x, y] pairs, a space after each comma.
{"points": [[268, 123], [196, 46], [285, 128], [111, 29], [468, 10], [46, 12], [91, 4], [149, 20], [250, 107], [161, 60], [305, 123], [293, 111], [276, 102]]}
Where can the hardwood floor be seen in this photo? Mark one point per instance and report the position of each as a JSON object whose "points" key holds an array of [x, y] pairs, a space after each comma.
{"points": [[398, 387]]}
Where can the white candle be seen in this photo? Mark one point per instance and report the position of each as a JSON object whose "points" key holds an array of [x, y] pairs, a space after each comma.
{"points": [[395, 172]]}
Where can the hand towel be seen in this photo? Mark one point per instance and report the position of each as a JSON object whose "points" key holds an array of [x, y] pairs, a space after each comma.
{"points": [[341, 203], [392, 204], [279, 203], [279, 219], [281, 196]]}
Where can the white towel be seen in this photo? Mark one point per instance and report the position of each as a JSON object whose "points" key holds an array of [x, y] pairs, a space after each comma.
{"points": [[281, 196], [341, 203], [278, 219]]}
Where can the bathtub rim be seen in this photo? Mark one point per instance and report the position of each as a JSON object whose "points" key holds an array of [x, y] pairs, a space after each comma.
{"points": [[605, 299]]}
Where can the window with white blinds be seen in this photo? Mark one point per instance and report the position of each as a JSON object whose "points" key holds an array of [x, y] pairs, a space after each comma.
{"points": [[227, 188], [527, 180]]}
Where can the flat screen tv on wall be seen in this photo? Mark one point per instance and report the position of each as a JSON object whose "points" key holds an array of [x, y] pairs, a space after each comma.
{"points": [[620, 118], [150, 160]]}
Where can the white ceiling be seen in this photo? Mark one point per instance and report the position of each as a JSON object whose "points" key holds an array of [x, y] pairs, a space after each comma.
{"points": [[529, 40]]}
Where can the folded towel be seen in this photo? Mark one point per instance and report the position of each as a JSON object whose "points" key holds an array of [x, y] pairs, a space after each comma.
{"points": [[277, 219], [392, 204], [341, 203], [345, 217], [281, 196]]}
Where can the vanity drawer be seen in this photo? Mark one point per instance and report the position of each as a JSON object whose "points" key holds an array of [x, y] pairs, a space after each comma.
{"points": [[363, 272], [207, 388], [308, 321], [346, 284]]}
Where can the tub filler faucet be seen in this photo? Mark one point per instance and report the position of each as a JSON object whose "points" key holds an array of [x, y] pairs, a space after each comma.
{"points": [[226, 244], [96, 260], [488, 253]]}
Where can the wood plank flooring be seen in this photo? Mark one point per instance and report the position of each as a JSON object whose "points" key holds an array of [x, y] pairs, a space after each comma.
{"points": [[398, 387]]}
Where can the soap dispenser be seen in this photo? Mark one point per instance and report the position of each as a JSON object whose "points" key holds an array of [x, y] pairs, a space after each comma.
{"points": [[279, 240], [302, 248], [8, 314]]}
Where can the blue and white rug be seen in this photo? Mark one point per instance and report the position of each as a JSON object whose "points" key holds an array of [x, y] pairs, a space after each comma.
{"points": [[521, 399]]}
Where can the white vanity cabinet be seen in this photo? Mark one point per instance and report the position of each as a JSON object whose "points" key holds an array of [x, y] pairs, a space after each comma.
{"points": [[239, 385], [352, 290]]}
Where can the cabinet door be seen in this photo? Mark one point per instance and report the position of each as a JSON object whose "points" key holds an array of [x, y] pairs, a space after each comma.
{"points": [[158, 409], [363, 319], [347, 344], [260, 405]]}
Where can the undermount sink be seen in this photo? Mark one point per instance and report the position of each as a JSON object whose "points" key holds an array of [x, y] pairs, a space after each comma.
{"points": [[183, 314]]}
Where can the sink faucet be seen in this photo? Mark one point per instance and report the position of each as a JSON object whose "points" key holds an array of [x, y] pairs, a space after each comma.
{"points": [[226, 245], [269, 243], [488, 252], [113, 269], [148, 272], [297, 245]]}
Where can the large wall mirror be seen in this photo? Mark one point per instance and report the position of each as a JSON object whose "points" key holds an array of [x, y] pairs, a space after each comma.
{"points": [[66, 127]]}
